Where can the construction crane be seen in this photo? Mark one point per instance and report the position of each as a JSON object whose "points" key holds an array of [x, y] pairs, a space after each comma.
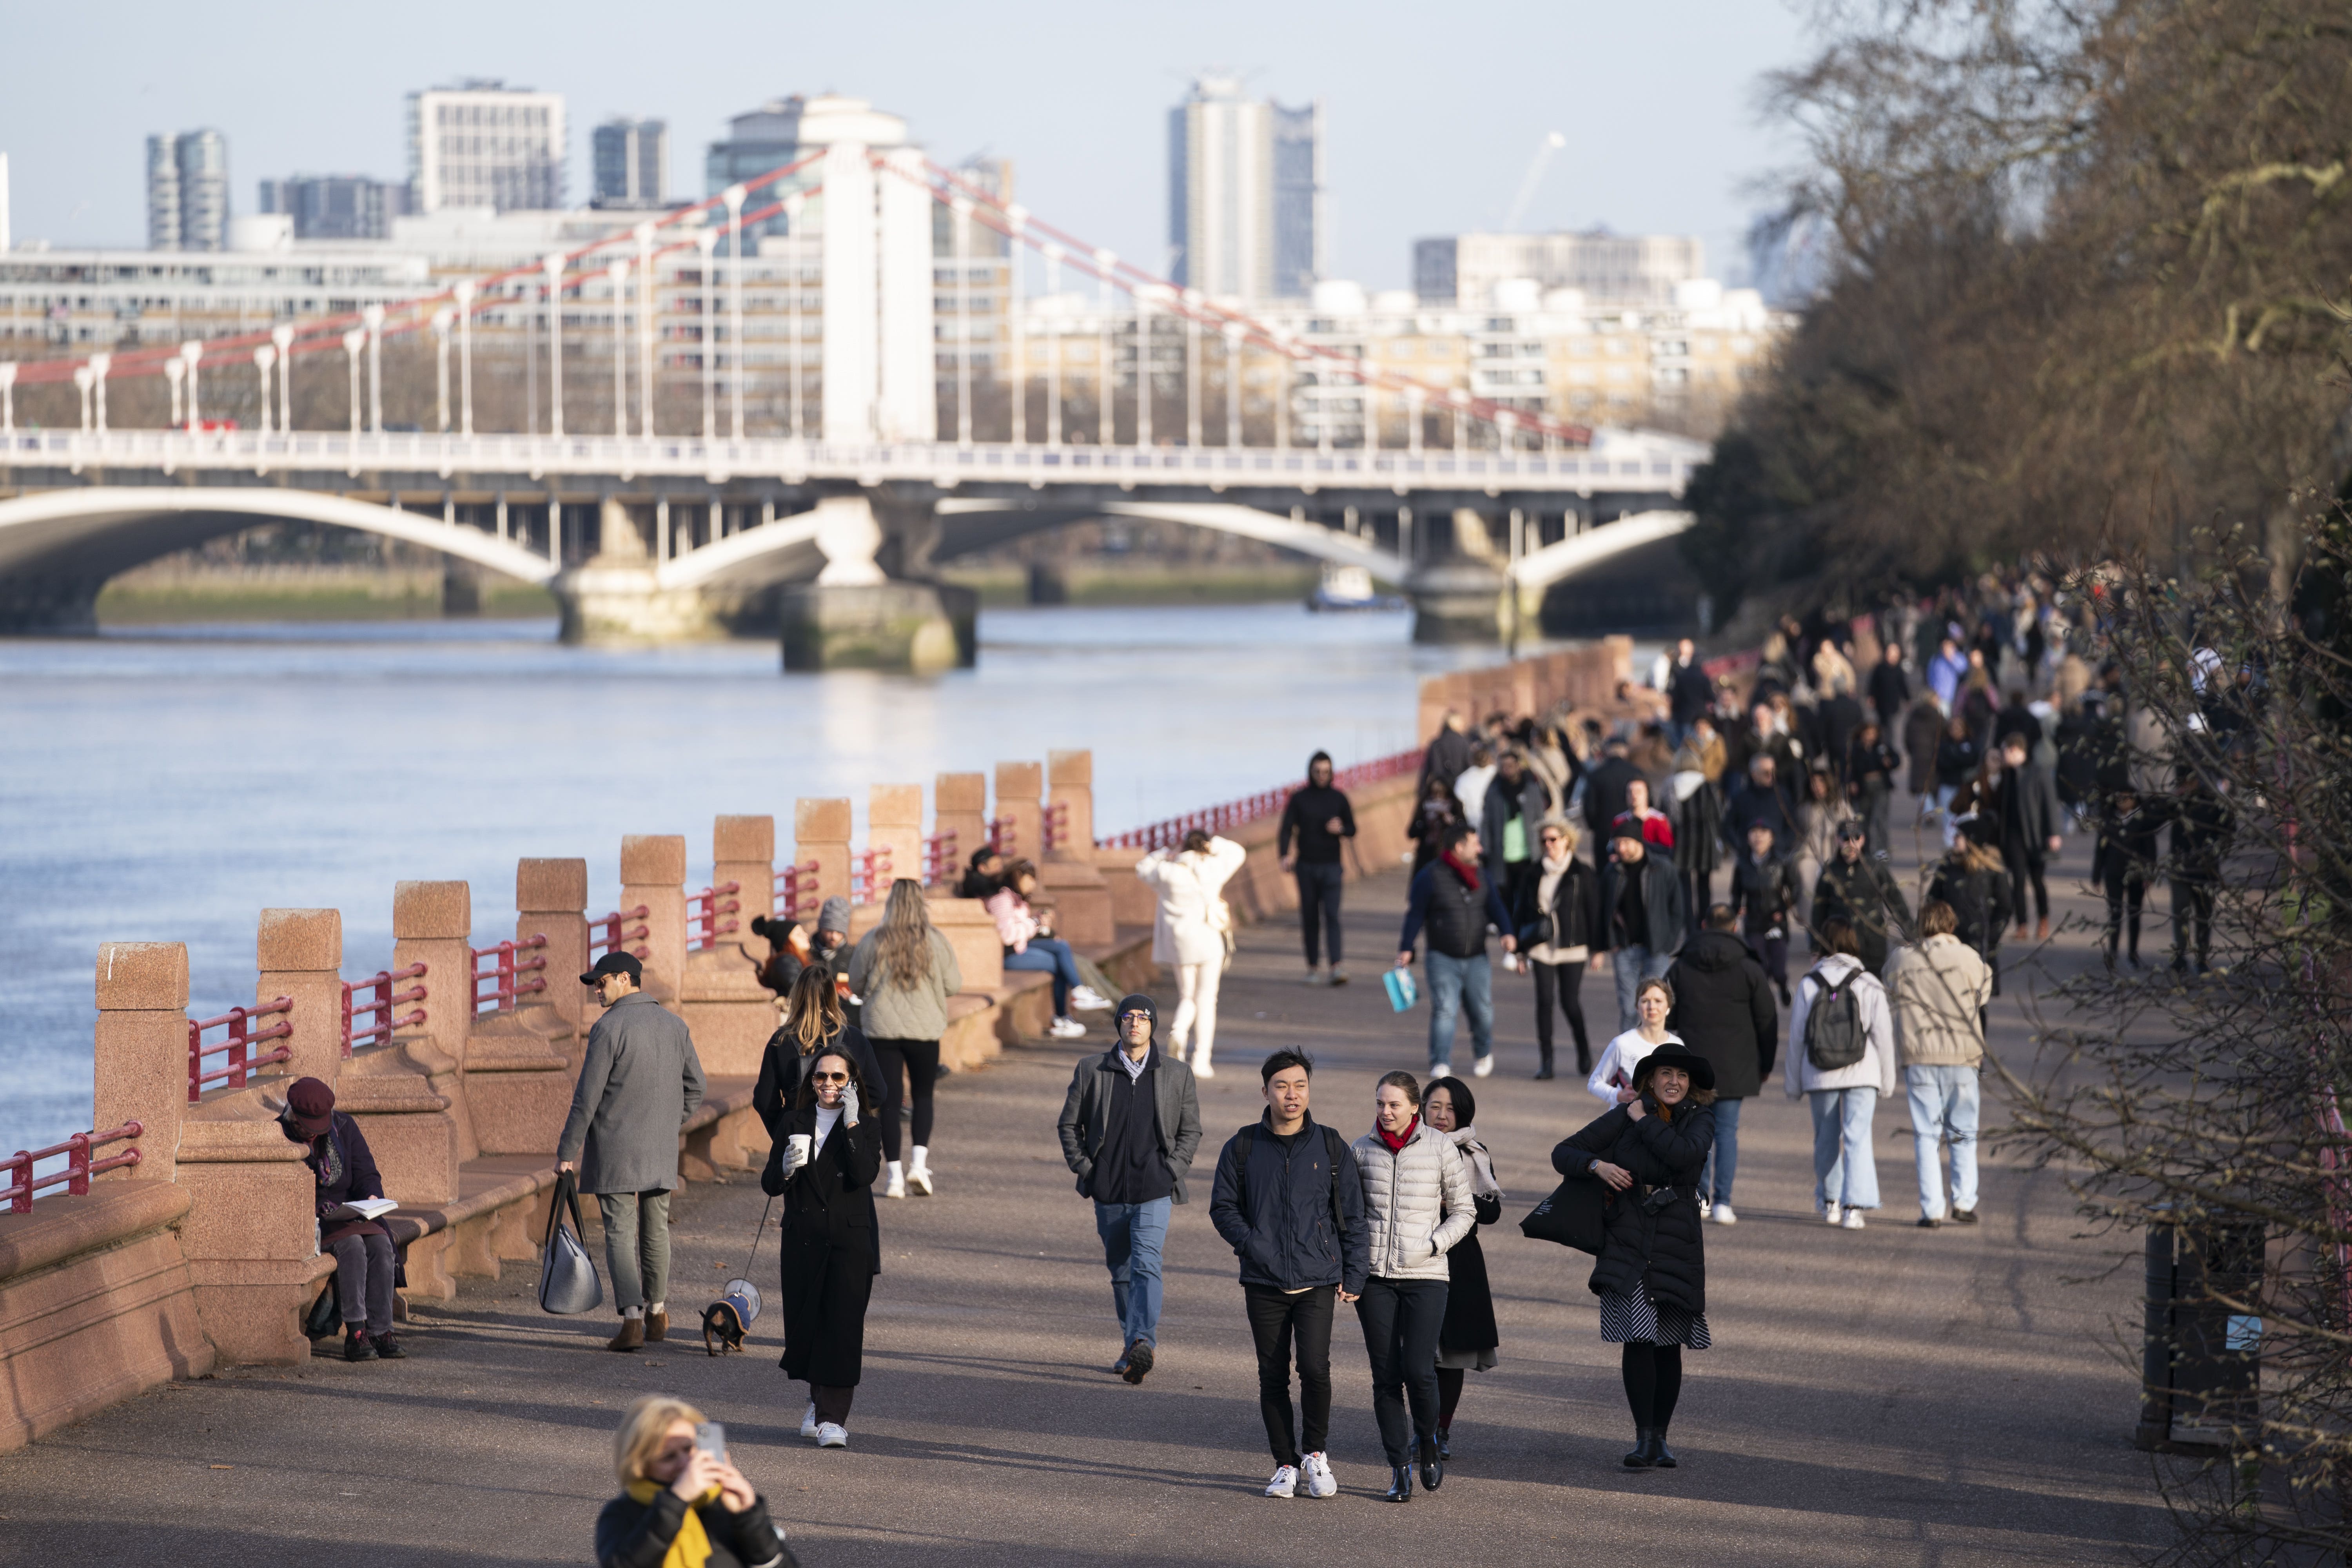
{"points": [[1552, 142]]}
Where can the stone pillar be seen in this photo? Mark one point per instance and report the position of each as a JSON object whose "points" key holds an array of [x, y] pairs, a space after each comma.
{"points": [[432, 923], [821, 833], [960, 805], [1018, 787], [1457, 601], [551, 901], [1070, 785], [743, 851], [653, 873], [141, 1063], [407, 1095], [894, 821], [731, 1014], [917, 627], [299, 953]]}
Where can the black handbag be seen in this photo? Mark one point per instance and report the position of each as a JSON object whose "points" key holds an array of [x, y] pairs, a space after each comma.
{"points": [[326, 1314], [567, 1277], [1576, 1215]]}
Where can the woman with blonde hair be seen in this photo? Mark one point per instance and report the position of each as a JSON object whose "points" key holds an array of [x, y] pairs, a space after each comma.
{"points": [[906, 971], [1611, 1082], [1190, 932], [681, 1505]]}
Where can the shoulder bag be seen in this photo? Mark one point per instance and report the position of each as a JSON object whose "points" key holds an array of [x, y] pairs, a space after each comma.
{"points": [[1576, 1215], [567, 1277]]}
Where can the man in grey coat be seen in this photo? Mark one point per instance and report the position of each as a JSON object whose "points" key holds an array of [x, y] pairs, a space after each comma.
{"points": [[639, 1083], [1128, 1129]]}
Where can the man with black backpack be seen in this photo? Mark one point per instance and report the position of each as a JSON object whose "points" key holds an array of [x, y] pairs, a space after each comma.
{"points": [[1841, 1058], [1289, 1198]]}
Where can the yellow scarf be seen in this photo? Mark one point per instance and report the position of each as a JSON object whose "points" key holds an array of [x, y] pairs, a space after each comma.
{"points": [[692, 1547]]}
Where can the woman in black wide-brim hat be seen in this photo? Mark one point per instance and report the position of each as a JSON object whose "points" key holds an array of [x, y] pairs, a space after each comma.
{"points": [[1651, 1274]]}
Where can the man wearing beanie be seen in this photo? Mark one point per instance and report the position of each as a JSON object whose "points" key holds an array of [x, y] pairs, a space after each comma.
{"points": [[1128, 1129]]}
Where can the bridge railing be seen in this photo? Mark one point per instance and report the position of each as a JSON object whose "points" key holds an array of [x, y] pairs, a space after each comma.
{"points": [[79, 1167], [613, 933], [939, 861], [869, 875], [1005, 835], [383, 1003], [710, 914], [509, 975], [238, 1048], [797, 898]]}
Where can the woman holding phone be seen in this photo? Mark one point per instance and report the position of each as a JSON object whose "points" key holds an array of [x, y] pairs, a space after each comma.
{"points": [[832, 1152], [682, 1499]]}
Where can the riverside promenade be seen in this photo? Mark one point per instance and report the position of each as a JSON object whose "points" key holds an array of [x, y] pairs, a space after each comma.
{"points": [[1894, 1396]]}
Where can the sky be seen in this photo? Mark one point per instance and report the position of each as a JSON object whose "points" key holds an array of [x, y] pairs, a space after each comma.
{"points": [[1432, 114]]}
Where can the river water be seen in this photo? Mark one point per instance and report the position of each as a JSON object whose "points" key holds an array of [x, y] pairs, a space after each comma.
{"points": [[168, 784]]}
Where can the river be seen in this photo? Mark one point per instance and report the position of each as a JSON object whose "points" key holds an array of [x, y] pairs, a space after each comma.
{"points": [[168, 784]]}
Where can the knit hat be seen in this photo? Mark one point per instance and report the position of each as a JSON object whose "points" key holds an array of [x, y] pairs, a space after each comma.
{"points": [[1135, 1002], [310, 1106], [834, 915]]}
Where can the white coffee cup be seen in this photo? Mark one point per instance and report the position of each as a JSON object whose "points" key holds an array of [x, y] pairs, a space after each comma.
{"points": [[799, 1143]]}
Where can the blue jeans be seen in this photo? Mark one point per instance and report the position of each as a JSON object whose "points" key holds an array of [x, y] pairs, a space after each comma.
{"points": [[1633, 965], [1455, 985], [1053, 955], [1132, 1236], [1845, 1172], [1723, 1159], [1944, 1109]]}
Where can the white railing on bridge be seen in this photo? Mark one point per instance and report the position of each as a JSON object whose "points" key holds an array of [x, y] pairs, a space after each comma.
{"points": [[1635, 461]]}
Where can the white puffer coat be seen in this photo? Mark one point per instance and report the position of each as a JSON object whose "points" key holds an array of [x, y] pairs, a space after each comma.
{"points": [[1416, 1203], [1190, 926]]}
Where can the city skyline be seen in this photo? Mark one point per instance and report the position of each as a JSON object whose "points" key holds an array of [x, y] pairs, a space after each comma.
{"points": [[1671, 147]]}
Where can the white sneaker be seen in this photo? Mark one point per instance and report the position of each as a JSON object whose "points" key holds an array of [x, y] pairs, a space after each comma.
{"points": [[918, 1181], [1087, 999], [1285, 1482], [896, 1185], [1723, 1214], [1315, 977], [1202, 1070], [1484, 1067], [1706, 1206], [808, 1421], [1339, 974], [833, 1436], [1852, 1220], [1829, 1213], [1321, 1481], [1067, 1029]]}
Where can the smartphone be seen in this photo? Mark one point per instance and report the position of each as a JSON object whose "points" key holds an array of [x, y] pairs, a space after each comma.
{"points": [[711, 1438]]}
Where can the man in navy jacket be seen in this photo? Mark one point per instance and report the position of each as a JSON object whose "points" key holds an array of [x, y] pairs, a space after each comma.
{"points": [[1290, 1200], [1455, 899]]}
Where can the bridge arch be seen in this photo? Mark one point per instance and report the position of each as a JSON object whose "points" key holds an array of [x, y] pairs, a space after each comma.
{"points": [[58, 548]]}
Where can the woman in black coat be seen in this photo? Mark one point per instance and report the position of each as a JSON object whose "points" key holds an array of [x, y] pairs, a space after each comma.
{"points": [[1650, 1275], [828, 1154], [1467, 1337]]}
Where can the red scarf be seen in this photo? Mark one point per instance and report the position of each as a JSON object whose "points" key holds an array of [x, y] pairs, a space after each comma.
{"points": [[1396, 1144], [1467, 873]]}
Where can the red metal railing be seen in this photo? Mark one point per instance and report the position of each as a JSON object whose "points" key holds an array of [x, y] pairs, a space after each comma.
{"points": [[240, 1046], [710, 914], [1264, 802], [797, 897], [384, 1005], [869, 875], [80, 1166], [1056, 827], [608, 933], [1004, 835], [940, 866], [507, 971]]}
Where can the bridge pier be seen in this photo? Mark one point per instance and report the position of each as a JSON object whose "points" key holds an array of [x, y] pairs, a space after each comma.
{"points": [[615, 596], [857, 616]]}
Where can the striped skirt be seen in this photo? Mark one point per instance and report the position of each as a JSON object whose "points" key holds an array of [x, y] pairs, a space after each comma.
{"points": [[1637, 1319]]}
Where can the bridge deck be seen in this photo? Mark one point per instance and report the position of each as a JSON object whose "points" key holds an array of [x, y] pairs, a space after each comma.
{"points": [[1892, 1397]]}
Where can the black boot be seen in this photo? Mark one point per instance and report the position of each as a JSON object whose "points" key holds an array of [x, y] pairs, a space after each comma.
{"points": [[1643, 1454], [1661, 1457], [1544, 1071], [1400, 1484], [1433, 1470]]}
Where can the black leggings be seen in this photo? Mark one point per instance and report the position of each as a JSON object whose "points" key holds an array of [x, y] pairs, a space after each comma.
{"points": [[2125, 890], [1566, 982], [2025, 868], [1449, 1389], [1653, 1381], [917, 1061]]}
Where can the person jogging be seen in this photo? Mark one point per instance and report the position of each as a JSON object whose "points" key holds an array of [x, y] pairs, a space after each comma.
{"points": [[1289, 1199], [1129, 1127], [1315, 822]]}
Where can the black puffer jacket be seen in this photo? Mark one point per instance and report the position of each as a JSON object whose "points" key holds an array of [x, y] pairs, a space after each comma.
{"points": [[1660, 1254], [1723, 1010]]}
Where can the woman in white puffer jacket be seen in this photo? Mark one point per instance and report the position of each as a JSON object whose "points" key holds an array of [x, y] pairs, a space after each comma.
{"points": [[1189, 935], [1417, 1205]]}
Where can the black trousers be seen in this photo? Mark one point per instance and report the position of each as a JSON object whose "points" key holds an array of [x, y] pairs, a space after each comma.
{"points": [[917, 1061], [2025, 865], [2126, 890], [2192, 902], [1278, 1321], [1564, 982], [1318, 911], [1401, 1319]]}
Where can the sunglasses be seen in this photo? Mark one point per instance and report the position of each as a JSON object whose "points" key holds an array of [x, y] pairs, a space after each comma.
{"points": [[828, 1077]]}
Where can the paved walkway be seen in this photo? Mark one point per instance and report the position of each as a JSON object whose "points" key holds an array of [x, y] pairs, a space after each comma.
{"points": [[1893, 1396]]}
